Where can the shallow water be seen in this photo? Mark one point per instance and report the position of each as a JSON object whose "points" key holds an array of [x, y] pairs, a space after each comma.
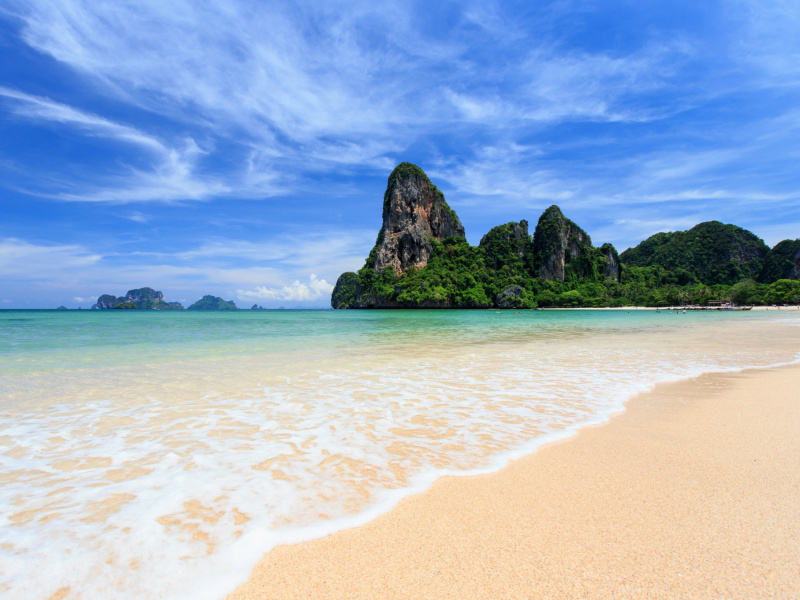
{"points": [[161, 454]]}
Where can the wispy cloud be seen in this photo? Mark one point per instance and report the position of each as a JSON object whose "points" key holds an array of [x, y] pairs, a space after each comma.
{"points": [[173, 174], [37, 107]]}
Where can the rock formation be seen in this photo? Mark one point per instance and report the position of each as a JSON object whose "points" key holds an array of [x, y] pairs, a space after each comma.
{"points": [[421, 258], [414, 213], [510, 297], [558, 241], [506, 244]]}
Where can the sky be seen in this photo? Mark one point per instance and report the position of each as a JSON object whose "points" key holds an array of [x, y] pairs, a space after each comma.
{"points": [[241, 149]]}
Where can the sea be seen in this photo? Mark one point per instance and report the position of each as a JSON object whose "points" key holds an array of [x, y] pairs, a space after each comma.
{"points": [[161, 454]]}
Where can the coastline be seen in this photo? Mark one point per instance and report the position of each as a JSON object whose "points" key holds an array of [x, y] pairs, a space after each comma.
{"points": [[690, 492]]}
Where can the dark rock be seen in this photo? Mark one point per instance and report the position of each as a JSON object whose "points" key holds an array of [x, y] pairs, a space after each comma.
{"points": [[62, 308], [510, 297]]}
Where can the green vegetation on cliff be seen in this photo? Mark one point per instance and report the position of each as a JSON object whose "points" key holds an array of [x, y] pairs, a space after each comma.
{"points": [[712, 252], [781, 262]]}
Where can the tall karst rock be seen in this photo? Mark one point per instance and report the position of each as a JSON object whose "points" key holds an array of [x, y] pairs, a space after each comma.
{"points": [[563, 251], [414, 213]]}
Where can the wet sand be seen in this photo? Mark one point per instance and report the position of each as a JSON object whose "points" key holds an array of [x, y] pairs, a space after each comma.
{"points": [[693, 492]]}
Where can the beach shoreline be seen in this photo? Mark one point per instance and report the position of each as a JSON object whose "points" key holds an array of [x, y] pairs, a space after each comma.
{"points": [[692, 491]]}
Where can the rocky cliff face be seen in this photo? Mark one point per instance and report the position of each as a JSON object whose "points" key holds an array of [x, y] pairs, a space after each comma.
{"points": [[414, 213], [556, 242], [613, 268]]}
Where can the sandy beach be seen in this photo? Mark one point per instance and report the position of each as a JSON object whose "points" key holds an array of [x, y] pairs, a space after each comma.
{"points": [[692, 492]]}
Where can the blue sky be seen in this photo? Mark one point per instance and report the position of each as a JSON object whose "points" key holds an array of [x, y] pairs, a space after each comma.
{"points": [[241, 149]]}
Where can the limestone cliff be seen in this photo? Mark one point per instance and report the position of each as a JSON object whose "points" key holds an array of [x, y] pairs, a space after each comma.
{"points": [[557, 241], [414, 213]]}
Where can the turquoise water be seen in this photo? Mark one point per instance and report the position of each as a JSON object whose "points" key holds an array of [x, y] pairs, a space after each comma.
{"points": [[48, 339], [161, 453]]}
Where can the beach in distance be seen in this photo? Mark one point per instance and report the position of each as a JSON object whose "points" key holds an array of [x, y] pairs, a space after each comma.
{"points": [[164, 454]]}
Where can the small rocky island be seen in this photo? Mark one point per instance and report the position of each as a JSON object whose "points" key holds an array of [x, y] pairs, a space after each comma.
{"points": [[213, 303], [141, 298], [421, 259]]}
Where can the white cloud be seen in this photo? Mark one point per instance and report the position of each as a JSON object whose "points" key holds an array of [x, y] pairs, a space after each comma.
{"points": [[313, 289], [21, 260]]}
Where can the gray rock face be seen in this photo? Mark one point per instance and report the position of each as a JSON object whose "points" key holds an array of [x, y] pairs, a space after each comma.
{"points": [[510, 297], [414, 213], [107, 301], [613, 268], [557, 240], [143, 295]]}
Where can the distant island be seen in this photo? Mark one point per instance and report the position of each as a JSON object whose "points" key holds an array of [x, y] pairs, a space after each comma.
{"points": [[147, 298], [213, 303], [421, 259], [141, 298]]}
